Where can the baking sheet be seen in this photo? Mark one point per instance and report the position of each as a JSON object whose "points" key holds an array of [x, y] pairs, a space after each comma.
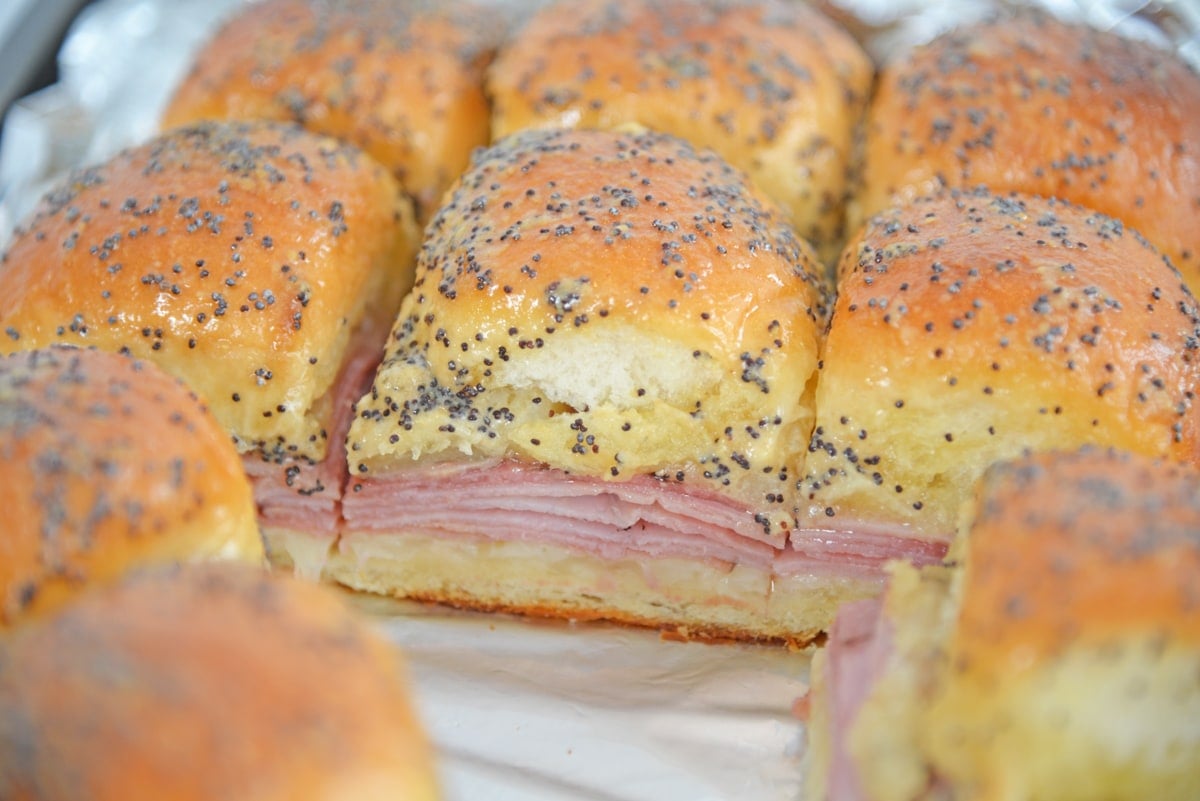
{"points": [[518, 709]]}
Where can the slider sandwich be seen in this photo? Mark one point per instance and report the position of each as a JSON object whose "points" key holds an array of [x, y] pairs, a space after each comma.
{"points": [[108, 464], [401, 79], [207, 683], [1056, 656], [776, 88], [260, 263], [1026, 102], [973, 326], [595, 397]]}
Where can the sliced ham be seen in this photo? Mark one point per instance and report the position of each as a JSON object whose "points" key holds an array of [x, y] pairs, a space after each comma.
{"points": [[302, 495], [867, 545], [508, 500], [643, 516], [856, 653]]}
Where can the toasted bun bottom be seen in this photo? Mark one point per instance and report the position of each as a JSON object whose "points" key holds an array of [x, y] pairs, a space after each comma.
{"points": [[690, 598]]}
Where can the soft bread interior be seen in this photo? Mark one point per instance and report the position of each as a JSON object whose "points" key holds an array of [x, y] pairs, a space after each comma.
{"points": [[695, 598]]}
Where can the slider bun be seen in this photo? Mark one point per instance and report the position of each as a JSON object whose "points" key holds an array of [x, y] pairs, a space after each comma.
{"points": [[208, 682], [1109, 526], [972, 327], [403, 81], [107, 463], [1028, 103], [611, 304], [239, 256], [775, 87], [1054, 656], [1073, 663]]}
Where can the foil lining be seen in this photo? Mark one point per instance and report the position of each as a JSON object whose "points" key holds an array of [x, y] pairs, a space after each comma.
{"points": [[532, 710], [520, 709]]}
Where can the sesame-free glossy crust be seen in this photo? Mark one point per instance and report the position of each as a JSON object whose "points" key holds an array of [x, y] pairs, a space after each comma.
{"points": [[1025, 102], [776, 88], [106, 464], [401, 80], [971, 327], [239, 256], [203, 683]]}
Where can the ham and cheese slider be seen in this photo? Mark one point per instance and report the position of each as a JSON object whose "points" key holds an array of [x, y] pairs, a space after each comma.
{"points": [[206, 683], [402, 79], [973, 326], [595, 396], [775, 87], [106, 464], [1026, 102], [1057, 656], [260, 263]]}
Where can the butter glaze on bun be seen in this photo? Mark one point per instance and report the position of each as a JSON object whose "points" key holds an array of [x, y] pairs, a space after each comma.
{"points": [[242, 257], [208, 682], [401, 80], [107, 464], [1079, 583], [1056, 656], [974, 326], [1030, 517], [608, 304], [1029, 103], [776, 88], [595, 400]]}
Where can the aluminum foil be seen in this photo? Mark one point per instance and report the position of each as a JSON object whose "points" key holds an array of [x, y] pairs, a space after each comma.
{"points": [[520, 709], [122, 59], [529, 710]]}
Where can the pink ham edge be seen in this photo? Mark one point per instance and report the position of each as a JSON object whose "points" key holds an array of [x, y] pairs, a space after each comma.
{"points": [[856, 654], [508, 500], [298, 494], [644, 516]]}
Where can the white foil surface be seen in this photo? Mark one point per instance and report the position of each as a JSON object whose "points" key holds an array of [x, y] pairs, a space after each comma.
{"points": [[529, 710], [518, 709]]}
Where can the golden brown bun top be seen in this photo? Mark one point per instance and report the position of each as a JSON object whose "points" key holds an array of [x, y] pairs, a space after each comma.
{"points": [[610, 304], [1025, 102], [238, 256], [1070, 669], [401, 80], [208, 682], [1086, 546], [775, 87], [107, 463], [972, 326]]}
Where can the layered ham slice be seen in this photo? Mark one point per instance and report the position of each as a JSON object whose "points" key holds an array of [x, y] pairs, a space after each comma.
{"points": [[856, 654], [306, 506], [303, 495], [510, 501]]}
